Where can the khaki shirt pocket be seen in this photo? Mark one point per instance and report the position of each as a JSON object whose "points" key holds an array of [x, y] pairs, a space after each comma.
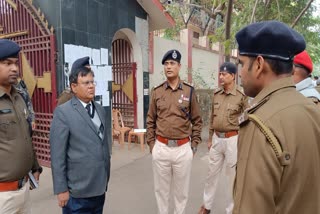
{"points": [[161, 104], [233, 114], [216, 107], [7, 126]]}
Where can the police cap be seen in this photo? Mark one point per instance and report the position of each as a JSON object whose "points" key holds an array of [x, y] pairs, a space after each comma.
{"points": [[172, 54], [81, 62], [228, 67], [270, 39], [8, 49]]}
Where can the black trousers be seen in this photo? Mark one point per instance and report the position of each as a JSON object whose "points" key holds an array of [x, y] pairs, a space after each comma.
{"points": [[92, 205]]}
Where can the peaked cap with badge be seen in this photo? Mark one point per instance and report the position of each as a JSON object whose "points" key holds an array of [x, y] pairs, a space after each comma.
{"points": [[270, 39], [229, 67], [8, 49], [172, 54]]}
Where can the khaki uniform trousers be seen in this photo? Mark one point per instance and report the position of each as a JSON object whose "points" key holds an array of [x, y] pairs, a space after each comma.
{"points": [[223, 149], [171, 167], [16, 202]]}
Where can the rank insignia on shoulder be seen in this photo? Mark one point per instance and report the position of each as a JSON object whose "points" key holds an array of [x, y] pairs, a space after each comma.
{"points": [[188, 84], [157, 86], [216, 90]]}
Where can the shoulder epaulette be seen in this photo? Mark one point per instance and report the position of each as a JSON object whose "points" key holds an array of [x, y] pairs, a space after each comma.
{"points": [[240, 89], [188, 84], [255, 106], [157, 86], [216, 90]]}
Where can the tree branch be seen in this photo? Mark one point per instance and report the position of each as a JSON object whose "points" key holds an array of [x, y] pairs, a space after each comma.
{"points": [[254, 11], [301, 14], [212, 14]]}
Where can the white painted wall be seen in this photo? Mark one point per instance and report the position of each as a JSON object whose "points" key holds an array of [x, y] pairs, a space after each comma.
{"points": [[205, 69]]}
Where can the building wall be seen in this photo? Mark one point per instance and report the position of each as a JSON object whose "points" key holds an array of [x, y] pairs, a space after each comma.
{"points": [[88, 23], [205, 68]]}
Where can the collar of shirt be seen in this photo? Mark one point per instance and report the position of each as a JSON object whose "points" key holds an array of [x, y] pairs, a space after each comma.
{"points": [[13, 92], [84, 104], [233, 91], [179, 86], [276, 85], [306, 83]]}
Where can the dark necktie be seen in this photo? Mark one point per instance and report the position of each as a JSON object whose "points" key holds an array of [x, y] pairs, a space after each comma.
{"points": [[88, 107]]}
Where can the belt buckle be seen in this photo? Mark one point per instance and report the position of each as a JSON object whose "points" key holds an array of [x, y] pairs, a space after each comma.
{"points": [[221, 134], [172, 143]]}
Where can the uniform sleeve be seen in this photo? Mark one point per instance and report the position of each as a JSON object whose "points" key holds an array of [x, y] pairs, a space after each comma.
{"points": [[211, 130], [151, 120], [59, 134], [196, 121], [258, 175], [31, 111]]}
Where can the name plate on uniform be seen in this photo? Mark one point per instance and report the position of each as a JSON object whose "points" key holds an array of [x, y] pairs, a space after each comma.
{"points": [[139, 130]]}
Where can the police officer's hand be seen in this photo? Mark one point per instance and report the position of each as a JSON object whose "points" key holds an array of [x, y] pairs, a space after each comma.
{"points": [[36, 175], [63, 198], [151, 148], [33, 126], [209, 144]]}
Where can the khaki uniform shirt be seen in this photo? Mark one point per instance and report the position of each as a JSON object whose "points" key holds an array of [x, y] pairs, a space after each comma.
{"points": [[226, 108], [17, 157], [65, 96], [174, 114], [288, 185]]}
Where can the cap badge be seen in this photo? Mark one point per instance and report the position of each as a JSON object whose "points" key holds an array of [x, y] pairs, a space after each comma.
{"points": [[174, 55], [225, 68]]}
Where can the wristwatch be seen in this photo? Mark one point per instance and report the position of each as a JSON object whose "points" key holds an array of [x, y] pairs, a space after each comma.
{"points": [[37, 170], [194, 149]]}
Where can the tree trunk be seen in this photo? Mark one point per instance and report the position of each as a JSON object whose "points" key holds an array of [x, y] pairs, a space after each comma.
{"points": [[228, 29]]}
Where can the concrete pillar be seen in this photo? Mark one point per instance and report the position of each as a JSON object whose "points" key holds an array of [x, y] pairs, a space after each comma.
{"points": [[186, 38]]}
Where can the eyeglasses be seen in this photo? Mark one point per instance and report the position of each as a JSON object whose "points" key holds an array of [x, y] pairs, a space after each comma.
{"points": [[87, 83]]}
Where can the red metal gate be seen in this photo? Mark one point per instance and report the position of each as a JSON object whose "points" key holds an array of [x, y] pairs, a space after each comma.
{"points": [[124, 77], [23, 23]]}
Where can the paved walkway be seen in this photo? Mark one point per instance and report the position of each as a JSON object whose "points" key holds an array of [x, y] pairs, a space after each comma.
{"points": [[131, 185]]}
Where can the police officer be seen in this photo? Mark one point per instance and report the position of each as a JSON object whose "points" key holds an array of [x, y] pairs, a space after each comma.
{"points": [[173, 133], [17, 157], [67, 94], [278, 168], [302, 69], [228, 102]]}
